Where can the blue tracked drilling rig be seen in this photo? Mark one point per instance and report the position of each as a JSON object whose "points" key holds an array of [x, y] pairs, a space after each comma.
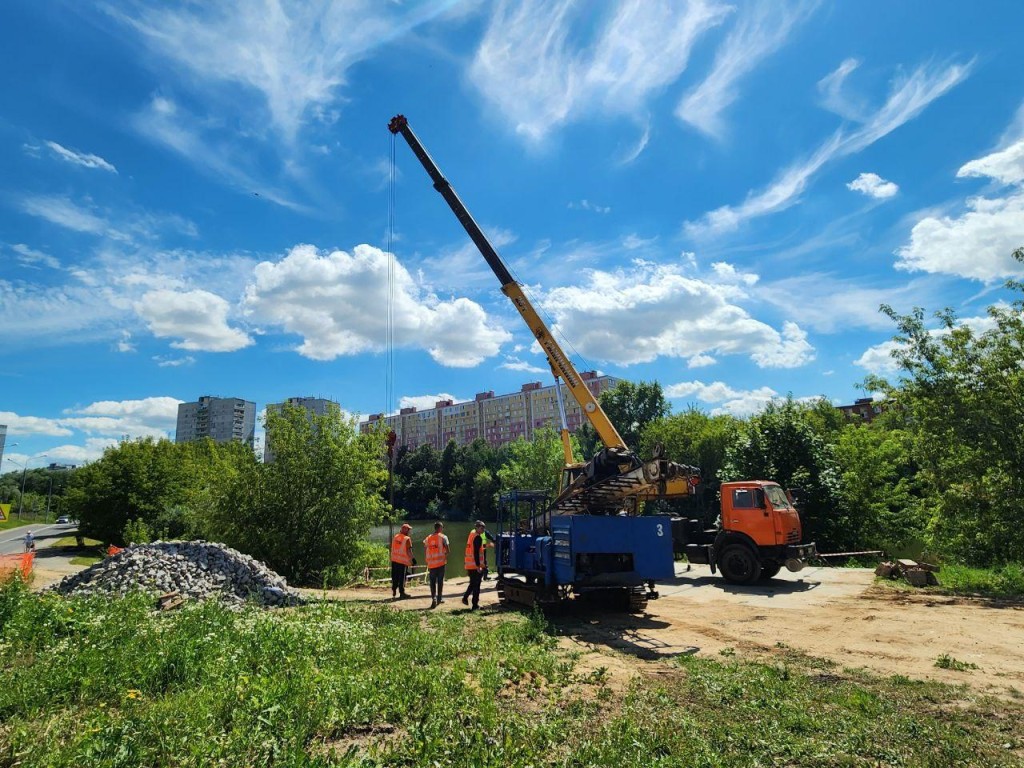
{"points": [[590, 540]]}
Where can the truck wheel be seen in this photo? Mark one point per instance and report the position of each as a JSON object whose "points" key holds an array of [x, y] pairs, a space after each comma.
{"points": [[738, 565], [769, 570]]}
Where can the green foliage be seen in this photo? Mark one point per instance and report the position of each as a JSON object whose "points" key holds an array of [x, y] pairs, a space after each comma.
{"points": [[367, 555], [880, 489], [111, 682], [945, 661], [137, 532], [630, 408], [535, 464], [308, 509], [781, 444], [1002, 581], [694, 438], [167, 487], [961, 393]]}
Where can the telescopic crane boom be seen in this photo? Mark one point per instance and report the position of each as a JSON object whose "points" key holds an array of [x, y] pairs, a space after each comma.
{"points": [[616, 477]]}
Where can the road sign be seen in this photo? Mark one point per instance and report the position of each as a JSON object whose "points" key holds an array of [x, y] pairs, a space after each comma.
{"points": [[5, 513]]}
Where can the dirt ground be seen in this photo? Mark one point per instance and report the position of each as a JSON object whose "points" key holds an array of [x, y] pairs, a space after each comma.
{"points": [[838, 614]]}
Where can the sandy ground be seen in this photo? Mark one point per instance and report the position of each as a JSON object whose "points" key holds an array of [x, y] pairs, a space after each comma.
{"points": [[832, 613]]}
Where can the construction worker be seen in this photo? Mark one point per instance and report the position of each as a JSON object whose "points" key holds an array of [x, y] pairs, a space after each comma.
{"points": [[437, 547], [475, 563], [401, 560]]}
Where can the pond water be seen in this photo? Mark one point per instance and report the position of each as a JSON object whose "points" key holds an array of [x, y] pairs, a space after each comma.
{"points": [[457, 533]]}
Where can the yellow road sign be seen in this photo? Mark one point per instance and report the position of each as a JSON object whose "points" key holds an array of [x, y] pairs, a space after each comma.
{"points": [[5, 513]]}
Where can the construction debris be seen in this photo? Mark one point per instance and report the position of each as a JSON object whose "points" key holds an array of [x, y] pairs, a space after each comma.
{"points": [[181, 570], [913, 572]]}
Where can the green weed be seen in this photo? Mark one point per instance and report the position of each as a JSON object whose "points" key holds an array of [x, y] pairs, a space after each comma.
{"points": [[945, 661]]}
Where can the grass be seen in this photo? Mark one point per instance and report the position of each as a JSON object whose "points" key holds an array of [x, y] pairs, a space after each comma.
{"points": [[1005, 581], [111, 683], [92, 553], [945, 661], [25, 519]]}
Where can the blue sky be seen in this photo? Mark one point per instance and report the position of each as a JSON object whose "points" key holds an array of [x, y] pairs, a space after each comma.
{"points": [[716, 195]]}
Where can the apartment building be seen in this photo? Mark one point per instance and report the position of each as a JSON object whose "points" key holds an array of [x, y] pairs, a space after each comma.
{"points": [[222, 419], [498, 419], [315, 406]]}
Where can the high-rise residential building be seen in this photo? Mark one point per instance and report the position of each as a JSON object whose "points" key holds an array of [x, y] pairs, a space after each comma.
{"points": [[3, 442], [222, 419], [315, 406], [497, 419]]}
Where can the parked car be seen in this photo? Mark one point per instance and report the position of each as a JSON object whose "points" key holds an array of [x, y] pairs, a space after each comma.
{"points": [[63, 520]]}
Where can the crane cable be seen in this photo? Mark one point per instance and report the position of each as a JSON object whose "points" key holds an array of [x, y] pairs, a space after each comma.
{"points": [[389, 340]]}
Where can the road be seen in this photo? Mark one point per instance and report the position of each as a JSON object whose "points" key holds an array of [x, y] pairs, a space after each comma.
{"points": [[12, 541]]}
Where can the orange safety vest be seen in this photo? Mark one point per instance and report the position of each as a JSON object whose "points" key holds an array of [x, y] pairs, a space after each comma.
{"points": [[470, 561], [436, 555], [401, 549]]}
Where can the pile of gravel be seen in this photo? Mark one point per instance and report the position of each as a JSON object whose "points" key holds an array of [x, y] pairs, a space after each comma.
{"points": [[195, 569]]}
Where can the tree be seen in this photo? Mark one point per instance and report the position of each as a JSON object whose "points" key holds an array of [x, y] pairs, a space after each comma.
{"points": [[780, 444], [150, 480], [961, 394], [535, 464], [308, 510], [630, 408], [694, 438]]}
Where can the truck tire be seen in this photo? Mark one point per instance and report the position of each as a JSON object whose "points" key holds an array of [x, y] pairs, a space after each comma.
{"points": [[769, 569], [739, 565]]}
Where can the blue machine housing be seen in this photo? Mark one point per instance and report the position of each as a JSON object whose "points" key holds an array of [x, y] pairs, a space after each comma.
{"points": [[591, 552]]}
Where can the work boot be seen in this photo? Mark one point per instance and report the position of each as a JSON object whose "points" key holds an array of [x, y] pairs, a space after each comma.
{"points": [[465, 600], [433, 603]]}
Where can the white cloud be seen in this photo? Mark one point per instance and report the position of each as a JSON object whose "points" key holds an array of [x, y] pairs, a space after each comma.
{"points": [[515, 364], [1006, 165], [295, 56], [908, 98], [336, 303], [533, 68], [30, 256], [174, 362], [878, 359], [978, 244], [701, 361], [731, 401], [31, 425], [198, 318], [832, 96], [873, 185], [124, 344], [83, 159], [81, 454], [65, 213], [426, 402], [586, 205], [761, 29], [653, 311], [727, 273]]}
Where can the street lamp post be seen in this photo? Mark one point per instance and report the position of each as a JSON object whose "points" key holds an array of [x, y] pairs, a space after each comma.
{"points": [[24, 472], [49, 494]]}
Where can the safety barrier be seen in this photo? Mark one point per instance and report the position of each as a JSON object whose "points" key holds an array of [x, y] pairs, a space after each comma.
{"points": [[112, 550], [413, 572], [12, 565]]}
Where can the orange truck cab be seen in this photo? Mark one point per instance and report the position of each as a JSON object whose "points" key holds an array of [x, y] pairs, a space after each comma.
{"points": [[757, 533]]}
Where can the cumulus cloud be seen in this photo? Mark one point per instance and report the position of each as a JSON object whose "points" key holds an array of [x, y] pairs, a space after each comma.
{"points": [[873, 185], [336, 302], [977, 244], [735, 402], [31, 425], [909, 96], [761, 29], [1006, 165], [533, 66], [83, 159], [651, 311], [199, 319], [426, 402], [151, 416]]}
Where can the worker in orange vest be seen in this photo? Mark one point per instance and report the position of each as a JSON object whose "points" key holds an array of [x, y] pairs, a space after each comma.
{"points": [[475, 562], [437, 548], [401, 560]]}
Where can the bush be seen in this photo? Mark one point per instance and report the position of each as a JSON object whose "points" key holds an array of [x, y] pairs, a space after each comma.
{"points": [[367, 555]]}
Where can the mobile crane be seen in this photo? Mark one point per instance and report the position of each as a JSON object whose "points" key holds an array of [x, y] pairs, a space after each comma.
{"points": [[593, 539]]}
